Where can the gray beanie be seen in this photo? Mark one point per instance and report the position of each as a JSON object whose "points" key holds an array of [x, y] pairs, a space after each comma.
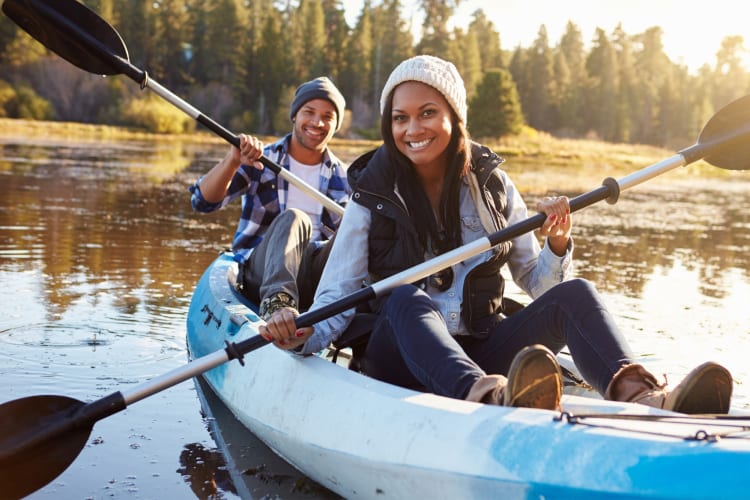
{"points": [[320, 88], [435, 72]]}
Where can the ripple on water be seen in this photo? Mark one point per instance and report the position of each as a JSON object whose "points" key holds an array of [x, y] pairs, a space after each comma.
{"points": [[56, 349]]}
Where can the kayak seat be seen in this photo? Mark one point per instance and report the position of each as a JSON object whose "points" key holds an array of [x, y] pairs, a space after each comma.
{"points": [[355, 337]]}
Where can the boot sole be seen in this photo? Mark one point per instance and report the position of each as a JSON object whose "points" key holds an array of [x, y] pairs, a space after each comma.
{"points": [[707, 389], [534, 380]]}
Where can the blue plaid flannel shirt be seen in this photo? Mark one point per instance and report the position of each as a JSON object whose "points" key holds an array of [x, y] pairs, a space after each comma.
{"points": [[260, 196]]}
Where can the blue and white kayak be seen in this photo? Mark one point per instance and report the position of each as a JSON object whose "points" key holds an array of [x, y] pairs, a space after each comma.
{"points": [[363, 438]]}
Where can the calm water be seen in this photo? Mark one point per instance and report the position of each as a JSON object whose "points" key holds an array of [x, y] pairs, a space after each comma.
{"points": [[100, 251]]}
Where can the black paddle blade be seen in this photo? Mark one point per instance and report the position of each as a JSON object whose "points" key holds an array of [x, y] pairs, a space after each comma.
{"points": [[27, 463], [55, 24], [725, 139]]}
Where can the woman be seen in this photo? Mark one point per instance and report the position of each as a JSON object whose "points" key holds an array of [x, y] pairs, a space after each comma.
{"points": [[429, 189]]}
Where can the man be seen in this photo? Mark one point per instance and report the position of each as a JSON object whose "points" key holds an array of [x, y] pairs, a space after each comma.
{"points": [[281, 240]]}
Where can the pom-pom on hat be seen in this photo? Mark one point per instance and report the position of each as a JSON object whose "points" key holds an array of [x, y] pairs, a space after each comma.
{"points": [[320, 88], [435, 72]]}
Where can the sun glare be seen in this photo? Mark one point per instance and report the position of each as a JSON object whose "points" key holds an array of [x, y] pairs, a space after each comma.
{"points": [[692, 35]]}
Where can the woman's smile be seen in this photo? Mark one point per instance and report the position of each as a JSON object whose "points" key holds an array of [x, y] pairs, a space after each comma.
{"points": [[420, 144]]}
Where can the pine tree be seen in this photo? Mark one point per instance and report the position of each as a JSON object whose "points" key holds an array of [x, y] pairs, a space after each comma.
{"points": [[394, 43], [731, 79], [488, 39], [540, 105], [309, 40], [653, 67], [356, 80], [496, 109], [171, 61], [336, 34], [265, 87], [601, 65], [572, 92], [435, 34]]}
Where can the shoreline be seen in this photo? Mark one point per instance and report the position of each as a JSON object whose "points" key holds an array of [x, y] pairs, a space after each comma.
{"points": [[533, 158]]}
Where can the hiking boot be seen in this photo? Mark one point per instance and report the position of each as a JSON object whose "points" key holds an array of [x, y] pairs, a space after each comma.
{"points": [[534, 381], [273, 303], [707, 389]]}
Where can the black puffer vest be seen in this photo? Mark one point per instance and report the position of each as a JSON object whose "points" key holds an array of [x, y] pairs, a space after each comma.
{"points": [[394, 245]]}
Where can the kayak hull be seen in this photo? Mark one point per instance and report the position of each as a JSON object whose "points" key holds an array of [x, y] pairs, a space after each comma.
{"points": [[363, 438]]}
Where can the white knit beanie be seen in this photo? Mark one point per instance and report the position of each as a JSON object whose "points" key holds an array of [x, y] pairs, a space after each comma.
{"points": [[435, 72]]}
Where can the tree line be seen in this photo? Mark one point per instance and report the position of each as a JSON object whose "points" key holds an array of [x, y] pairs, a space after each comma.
{"points": [[239, 62]]}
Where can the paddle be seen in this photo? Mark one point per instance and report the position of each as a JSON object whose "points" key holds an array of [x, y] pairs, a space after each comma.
{"points": [[77, 34], [42, 435]]}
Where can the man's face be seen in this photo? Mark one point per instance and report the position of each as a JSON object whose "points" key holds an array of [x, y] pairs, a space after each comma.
{"points": [[315, 124]]}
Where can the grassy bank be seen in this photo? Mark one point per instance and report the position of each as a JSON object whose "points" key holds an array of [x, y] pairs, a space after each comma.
{"points": [[11, 128], [537, 162]]}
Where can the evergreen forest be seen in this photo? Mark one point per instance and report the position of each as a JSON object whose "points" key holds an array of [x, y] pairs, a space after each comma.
{"points": [[239, 61]]}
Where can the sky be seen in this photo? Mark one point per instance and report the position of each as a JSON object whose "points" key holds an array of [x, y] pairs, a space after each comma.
{"points": [[692, 30]]}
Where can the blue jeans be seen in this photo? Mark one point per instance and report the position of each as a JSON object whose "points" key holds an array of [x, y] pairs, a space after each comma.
{"points": [[410, 345]]}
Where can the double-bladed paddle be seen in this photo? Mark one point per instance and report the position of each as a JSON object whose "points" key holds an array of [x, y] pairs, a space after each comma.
{"points": [[78, 35], [42, 435]]}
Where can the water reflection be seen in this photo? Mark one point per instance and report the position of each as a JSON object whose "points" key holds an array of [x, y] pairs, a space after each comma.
{"points": [[88, 225], [206, 471], [704, 230], [246, 466], [100, 252]]}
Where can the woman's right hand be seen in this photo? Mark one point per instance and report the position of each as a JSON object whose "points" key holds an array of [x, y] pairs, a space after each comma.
{"points": [[559, 223], [282, 330]]}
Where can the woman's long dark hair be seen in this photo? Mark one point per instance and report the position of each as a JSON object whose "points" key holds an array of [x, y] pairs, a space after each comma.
{"points": [[459, 148]]}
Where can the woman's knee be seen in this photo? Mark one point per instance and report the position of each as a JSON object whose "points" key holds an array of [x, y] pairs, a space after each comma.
{"points": [[578, 290], [406, 296]]}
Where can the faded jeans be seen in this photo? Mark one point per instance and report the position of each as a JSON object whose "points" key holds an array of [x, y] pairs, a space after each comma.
{"points": [[410, 345]]}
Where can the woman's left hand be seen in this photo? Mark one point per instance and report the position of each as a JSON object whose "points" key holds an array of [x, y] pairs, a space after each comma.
{"points": [[559, 223]]}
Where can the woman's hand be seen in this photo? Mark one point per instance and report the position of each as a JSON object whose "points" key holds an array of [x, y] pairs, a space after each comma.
{"points": [[559, 223], [250, 151], [282, 331]]}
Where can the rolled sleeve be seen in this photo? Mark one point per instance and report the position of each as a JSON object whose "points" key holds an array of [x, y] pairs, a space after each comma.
{"points": [[198, 202], [550, 270]]}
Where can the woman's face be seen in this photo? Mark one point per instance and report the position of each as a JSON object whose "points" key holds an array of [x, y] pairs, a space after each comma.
{"points": [[421, 123]]}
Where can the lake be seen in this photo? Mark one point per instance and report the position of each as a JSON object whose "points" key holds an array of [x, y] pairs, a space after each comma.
{"points": [[100, 252]]}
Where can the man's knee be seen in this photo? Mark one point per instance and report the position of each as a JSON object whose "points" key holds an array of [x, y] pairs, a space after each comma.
{"points": [[293, 216], [292, 220]]}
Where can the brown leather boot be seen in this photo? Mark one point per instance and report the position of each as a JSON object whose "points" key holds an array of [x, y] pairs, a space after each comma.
{"points": [[706, 389], [534, 381]]}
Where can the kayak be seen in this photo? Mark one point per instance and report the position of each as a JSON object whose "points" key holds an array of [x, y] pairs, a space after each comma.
{"points": [[362, 438]]}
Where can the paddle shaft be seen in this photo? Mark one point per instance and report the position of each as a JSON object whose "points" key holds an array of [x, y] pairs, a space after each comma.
{"points": [[122, 65]]}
